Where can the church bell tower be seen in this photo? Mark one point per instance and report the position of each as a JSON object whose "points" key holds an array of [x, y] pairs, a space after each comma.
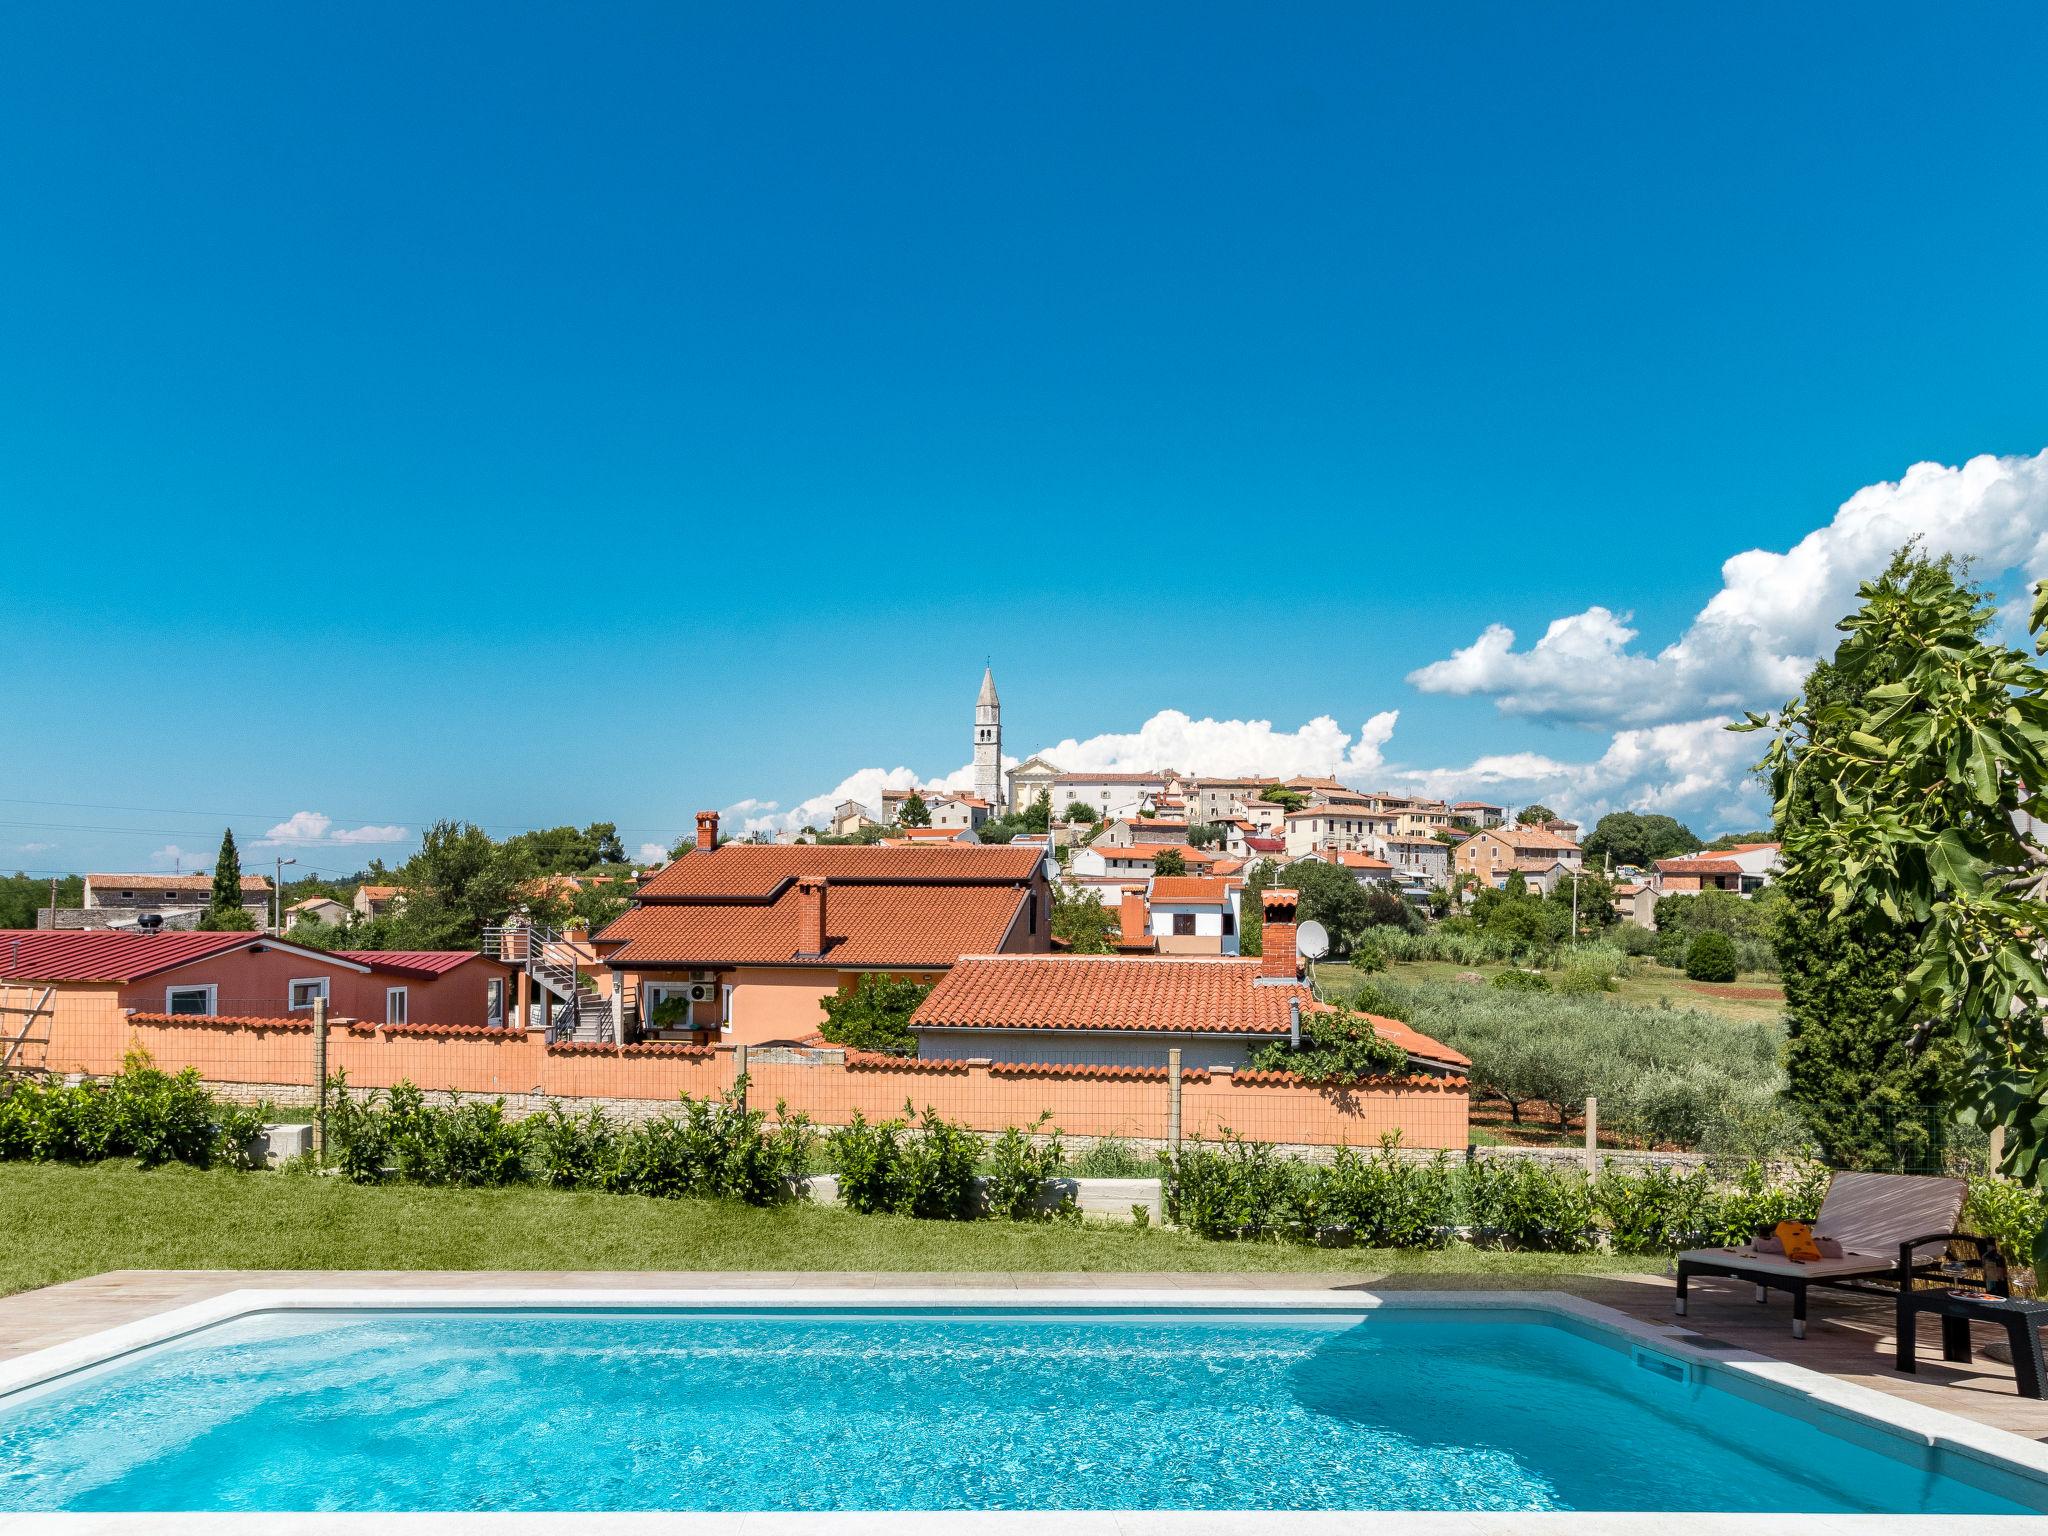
{"points": [[988, 744]]}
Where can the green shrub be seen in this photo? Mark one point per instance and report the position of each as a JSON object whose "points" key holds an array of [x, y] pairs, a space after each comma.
{"points": [[937, 1170], [1581, 978], [875, 1014], [1381, 1200], [1019, 1166], [1658, 1210], [1526, 1204], [868, 1158], [1522, 981], [1230, 1189], [2009, 1214], [141, 1112], [1755, 1199], [565, 1151], [1711, 957]]}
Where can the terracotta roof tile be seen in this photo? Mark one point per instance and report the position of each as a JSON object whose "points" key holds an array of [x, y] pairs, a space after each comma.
{"points": [[1695, 864], [1189, 889], [1197, 995], [191, 883], [757, 869], [914, 907]]}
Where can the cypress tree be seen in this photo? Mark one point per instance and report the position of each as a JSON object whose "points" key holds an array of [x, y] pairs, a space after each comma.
{"points": [[224, 909], [1868, 1094]]}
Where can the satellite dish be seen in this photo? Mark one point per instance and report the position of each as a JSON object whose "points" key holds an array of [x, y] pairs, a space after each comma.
{"points": [[1312, 940]]}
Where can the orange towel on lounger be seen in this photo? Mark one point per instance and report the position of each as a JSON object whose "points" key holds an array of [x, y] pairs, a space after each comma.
{"points": [[1797, 1240]]}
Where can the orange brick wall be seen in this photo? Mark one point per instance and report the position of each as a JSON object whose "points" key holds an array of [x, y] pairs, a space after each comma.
{"points": [[93, 1032]]}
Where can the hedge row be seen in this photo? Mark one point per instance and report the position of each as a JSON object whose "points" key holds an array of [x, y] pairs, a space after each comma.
{"points": [[142, 1112], [1240, 1189]]}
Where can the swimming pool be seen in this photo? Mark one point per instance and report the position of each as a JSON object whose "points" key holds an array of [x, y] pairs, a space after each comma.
{"points": [[1336, 1406]]}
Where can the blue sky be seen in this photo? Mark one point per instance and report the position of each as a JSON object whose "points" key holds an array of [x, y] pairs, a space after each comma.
{"points": [[541, 414]]}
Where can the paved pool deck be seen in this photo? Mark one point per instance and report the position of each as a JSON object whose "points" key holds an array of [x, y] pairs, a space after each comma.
{"points": [[1849, 1337]]}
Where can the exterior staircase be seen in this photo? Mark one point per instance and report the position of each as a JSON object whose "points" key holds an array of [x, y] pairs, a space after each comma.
{"points": [[573, 1012]]}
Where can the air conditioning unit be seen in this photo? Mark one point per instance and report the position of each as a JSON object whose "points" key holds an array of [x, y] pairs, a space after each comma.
{"points": [[703, 992]]}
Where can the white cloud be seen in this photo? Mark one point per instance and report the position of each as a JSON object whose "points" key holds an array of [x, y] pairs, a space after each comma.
{"points": [[1232, 748], [1170, 739], [311, 829], [171, 855], [34, 847], [1773, 616], [653, 853]]}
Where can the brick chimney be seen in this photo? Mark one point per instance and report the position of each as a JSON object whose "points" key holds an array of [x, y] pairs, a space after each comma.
{"points": [[1278, 961], [810, 915], [707, 831], [1134, 917]]}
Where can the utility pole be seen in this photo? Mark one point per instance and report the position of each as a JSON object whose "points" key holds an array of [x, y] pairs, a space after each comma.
{"points": [[53, 903], [1575, 909], [277, 896]]}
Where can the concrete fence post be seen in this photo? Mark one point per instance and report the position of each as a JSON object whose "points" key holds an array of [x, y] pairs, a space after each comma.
{"points": [[320, 1078], [739, 1072], [1173, 1098], [1592, 1135]]}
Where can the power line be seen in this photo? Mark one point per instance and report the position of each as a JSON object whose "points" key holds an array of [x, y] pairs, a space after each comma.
{"points": [[272, 816]]}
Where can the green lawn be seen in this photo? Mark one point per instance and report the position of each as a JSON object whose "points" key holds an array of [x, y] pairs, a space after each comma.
{"points": [[59, 1222]]}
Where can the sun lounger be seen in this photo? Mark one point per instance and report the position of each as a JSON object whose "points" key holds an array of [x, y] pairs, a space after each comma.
{"points": [[1869, 1215]]}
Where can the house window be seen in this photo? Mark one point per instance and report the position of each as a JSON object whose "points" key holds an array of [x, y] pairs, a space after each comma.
{"points": [[394, 1005], [301, 993], [1183, 925], [494, 1000], [1033, 904], [1229, 922], [192, 1000]]}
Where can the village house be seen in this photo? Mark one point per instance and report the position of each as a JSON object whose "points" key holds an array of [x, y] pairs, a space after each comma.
{"points": [[376, 900], [1126, 832], [1191, 915], [1478, 815], [170, 901], [744, 942], [1540, 857], [1223, 799], [1744, 869], [1108, 794], [255, 975], [1355, 827], [315, 909], [1365, 868], [1423, 820], [1128, 1011], [849, 817], [1418, 860], [1133, 862]]}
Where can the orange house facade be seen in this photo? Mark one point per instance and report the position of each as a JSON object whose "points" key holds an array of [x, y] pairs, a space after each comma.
{"points": [[741, 944]]}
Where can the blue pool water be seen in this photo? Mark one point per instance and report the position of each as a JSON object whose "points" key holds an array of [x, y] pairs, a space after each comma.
{"points": [[1396, 1409]]}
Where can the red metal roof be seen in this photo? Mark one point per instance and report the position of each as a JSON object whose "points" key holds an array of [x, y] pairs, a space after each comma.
{"points": [[30, 954]]}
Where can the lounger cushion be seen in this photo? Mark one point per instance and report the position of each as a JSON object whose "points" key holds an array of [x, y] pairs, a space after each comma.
{"points": [[1778, 1264]]}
